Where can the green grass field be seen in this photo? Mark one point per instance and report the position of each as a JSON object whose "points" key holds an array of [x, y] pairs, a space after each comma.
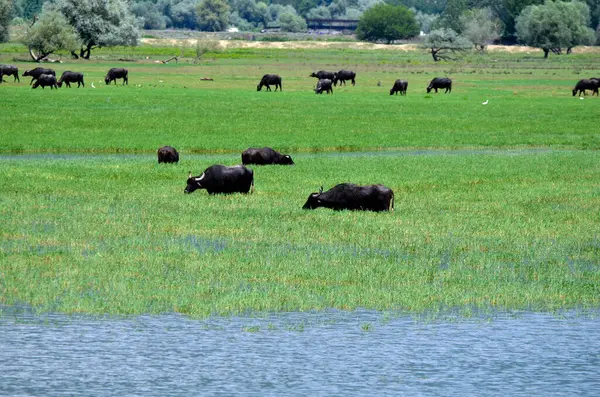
{"points": [[497, 205]]}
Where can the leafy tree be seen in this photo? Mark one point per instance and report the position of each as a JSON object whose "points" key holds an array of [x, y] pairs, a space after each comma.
{"points": [[441, 42], [100, 23], [183, 14], [29, 8], [320, 12], [480, 27], [424, 20], [51, 33], [555, 25], [425, 6], [212, 15], [149, 15], [386, 22], [291, 22], [508, 10], [450, 18], [6, 8]]}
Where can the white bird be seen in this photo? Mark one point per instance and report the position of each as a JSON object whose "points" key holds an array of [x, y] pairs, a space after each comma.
{"points": [[486, 102], [93, 86]]}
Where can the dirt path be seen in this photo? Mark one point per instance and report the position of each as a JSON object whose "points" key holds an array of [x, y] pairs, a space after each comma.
{"points": [[332, 44]]}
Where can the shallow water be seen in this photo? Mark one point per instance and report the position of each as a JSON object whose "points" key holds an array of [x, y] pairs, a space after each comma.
{"points": [[360, 353]]}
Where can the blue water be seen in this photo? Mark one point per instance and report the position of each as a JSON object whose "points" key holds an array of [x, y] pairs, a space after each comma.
{"points": [[361, 353]]}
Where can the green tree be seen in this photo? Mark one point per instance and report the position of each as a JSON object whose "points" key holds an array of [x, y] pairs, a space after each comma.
{"points": [[508, 10], [442, 42], [100, 23], [291, 22], [51, 33], [555, 25], [212, 15], [387, 22], [450, 18], [6, 8], [481, 27], [29, 8]]}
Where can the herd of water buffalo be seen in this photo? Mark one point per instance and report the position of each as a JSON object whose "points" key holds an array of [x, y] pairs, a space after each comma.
{"points": [[44, 77], [221, 179]]}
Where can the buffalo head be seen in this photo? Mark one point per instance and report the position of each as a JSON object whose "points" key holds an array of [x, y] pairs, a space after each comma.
{"points": [[107, 80], [314, 201], [194, 183], [286, 159]]}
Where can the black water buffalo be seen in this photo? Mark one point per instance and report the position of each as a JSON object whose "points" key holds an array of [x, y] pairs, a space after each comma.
{"points": [[347, 196], [324, 85], [167, 154], [586, 84], [45, 80], [69, 77], [221, 179], [323, 74], [344, 75], [268, 80], [9, 70], [37, 72], [400, 86], [265, 156], [440, 82], [117, 73]]}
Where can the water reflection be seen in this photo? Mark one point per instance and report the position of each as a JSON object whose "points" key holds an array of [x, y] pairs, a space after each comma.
{"points": [[318, 354]]}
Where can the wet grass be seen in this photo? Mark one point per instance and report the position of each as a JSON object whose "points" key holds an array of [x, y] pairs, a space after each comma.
{"points": [[497, 205], [113, 234]]}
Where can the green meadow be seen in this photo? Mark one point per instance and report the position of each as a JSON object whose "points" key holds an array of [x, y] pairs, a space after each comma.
{"points": [[497, 206]]}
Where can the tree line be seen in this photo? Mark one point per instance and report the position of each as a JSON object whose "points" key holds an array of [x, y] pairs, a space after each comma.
{"points": [[80, 26]]}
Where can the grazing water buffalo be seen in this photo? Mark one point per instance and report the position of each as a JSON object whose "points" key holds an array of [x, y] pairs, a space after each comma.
{"points": [[347, 196], [323, 74], [221, 179], [268, 80], [440, 82], [167, 154], [324, 85], [117, 73], [45, 80], [9, 70], [344, 75], [586, 84], [69, 77], [400, 86], [37, 72], [265, 156]]}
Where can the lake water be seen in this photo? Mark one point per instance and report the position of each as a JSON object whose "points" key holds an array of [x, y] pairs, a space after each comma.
{"points": [[362, 353]]}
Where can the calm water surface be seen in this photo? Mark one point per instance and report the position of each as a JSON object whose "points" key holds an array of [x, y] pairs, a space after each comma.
{"points": [[361, 353]]}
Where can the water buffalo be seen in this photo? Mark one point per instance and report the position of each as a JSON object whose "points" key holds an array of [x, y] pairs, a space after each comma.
{"points": [[9, 70], [347, 196], [586, 84], [324, 85], [400, 86], [69, 77], [268, 80], [344, 75], [440, 82], [323, 74], [265, 156], [117, 73], [167, 154], [37, 72], [44, 81], [221, 179]]}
